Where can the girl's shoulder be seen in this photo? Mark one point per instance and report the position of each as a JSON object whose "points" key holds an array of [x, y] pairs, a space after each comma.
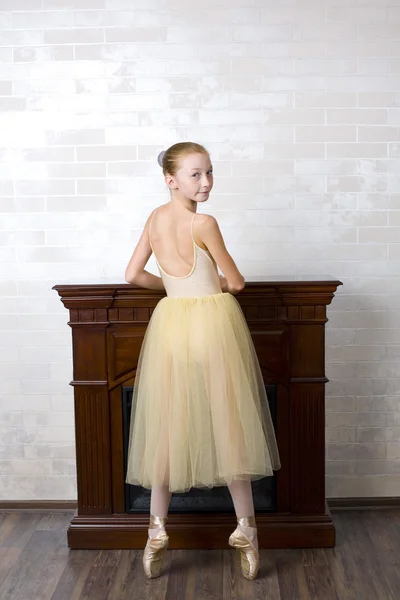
{"points": [[205, 219], [151, 215], [206, 222], [156, 209]]}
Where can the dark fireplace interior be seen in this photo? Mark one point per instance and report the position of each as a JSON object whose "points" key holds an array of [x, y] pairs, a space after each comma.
{"points": [[197, 500]]}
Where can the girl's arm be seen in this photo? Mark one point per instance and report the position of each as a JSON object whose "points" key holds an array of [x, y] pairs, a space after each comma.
{"points": [[135, 272], [208, 232], [224, 283]]}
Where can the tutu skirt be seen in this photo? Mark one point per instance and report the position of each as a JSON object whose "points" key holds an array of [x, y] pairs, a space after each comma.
{"points": [[200, 415]]}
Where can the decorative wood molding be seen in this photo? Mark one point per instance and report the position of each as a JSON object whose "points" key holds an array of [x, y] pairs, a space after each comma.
{"points": [[335, 504], [38, 505], [379, 502]]}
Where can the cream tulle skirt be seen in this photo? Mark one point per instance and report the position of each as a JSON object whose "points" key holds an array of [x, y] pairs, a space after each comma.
{"points": [[200, 415]]}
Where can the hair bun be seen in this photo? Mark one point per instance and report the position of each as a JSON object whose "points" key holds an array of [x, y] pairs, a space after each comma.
{"points": [[160, 158]]}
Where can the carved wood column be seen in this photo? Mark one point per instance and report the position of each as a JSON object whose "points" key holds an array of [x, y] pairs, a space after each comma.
{"points": [[306, 315], [89, 322]]}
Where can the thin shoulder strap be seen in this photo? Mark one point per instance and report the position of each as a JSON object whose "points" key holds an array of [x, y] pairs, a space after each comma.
{"points": [[151, 223], [191, 227]]}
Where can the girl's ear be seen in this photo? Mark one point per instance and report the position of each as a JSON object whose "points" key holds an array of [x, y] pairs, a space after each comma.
{"points": [[170, 181]]}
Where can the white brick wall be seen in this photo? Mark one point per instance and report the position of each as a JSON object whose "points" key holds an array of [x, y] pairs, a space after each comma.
{"points": [[298, 102]]}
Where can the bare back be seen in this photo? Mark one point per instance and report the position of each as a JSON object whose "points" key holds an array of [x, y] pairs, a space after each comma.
{"points": [[171, 237]]}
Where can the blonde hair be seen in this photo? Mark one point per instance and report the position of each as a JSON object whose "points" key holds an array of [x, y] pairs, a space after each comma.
{"points": [[169, 159]]}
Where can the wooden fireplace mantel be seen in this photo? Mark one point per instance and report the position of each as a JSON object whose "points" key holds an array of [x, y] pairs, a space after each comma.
{"points": [[287, 319]]}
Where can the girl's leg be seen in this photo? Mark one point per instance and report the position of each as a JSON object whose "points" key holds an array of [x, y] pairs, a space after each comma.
{"points": [[160, 494], [159, 503], [160, 499], [242, 498], [157, 542]]}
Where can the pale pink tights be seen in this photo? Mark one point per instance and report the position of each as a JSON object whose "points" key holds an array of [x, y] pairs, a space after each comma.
{"points": [[240, 490]]}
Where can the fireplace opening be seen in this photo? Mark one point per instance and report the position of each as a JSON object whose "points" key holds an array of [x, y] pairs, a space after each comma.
{"points": [[197, 500]]}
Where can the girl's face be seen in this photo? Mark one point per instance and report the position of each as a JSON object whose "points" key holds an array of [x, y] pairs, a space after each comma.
{"points": [[194, 178]]}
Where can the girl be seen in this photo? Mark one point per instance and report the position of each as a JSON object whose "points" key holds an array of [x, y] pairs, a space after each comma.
{"points": [[199, 393]]}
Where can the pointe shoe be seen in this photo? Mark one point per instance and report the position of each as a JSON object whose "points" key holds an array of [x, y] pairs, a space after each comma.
{"points": [[156, 546], [249, 556]]}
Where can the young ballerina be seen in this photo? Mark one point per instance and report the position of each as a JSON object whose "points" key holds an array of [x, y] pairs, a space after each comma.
{"points": [[201, 415]]}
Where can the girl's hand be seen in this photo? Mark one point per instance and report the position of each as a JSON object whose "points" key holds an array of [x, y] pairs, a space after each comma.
{"points": [[224, 283]]}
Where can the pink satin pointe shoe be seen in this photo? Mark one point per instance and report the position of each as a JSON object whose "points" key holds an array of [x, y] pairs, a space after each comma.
{"points": [[249, 556], [153, 555]]}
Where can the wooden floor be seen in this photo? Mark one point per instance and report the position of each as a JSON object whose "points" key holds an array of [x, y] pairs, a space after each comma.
{"points": [[36, 564]]}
